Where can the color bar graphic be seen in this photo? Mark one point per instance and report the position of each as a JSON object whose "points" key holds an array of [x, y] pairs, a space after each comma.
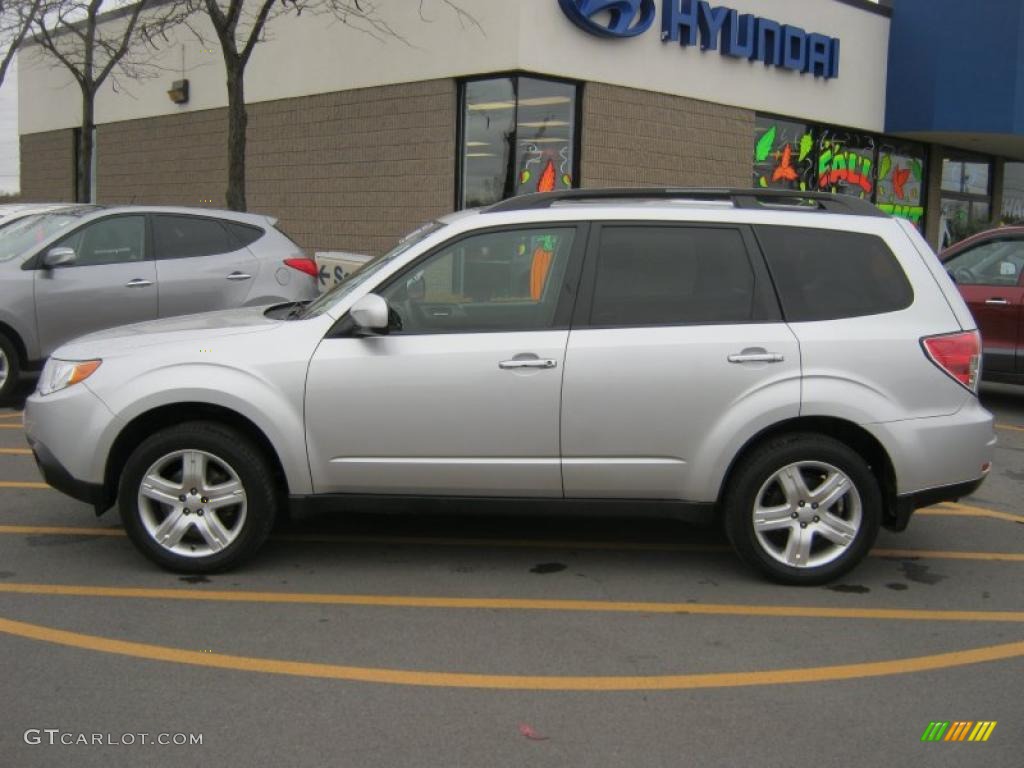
{"points": [[958, 730]]}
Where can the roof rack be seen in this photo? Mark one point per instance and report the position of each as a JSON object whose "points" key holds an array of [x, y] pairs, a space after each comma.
{"points": [[822, 202]]}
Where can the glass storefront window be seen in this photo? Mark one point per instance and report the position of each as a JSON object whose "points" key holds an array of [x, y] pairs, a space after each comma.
{"points": [[965, 177], [1013, 193], [518, 136], [966, 198]]}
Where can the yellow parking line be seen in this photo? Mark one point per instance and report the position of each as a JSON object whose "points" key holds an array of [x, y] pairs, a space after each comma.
{"points": [[15, 452], [10, 415], [953, 509], [11, 426], [45, 530], [511, 604], [9, 484], [935, 554], [1014, 427], [511, 682]]}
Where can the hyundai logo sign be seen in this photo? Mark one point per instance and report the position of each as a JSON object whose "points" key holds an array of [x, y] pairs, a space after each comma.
{"points": [[622, 18], [713, 28]]}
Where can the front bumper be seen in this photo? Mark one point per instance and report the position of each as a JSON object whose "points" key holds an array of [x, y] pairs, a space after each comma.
{"points": [[57, 476], [68, 434]]}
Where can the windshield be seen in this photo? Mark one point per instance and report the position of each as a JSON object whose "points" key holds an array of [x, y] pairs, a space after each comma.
{"points": [[360, 276], [22, 235]]}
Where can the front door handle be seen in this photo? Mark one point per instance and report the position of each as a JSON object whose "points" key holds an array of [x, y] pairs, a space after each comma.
{"points": [[138, 283], [530, 362], [238, 276], [756, 357], [997, 302]]}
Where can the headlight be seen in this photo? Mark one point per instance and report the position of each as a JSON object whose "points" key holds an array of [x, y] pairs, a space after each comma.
{"points": [[59, 374]]}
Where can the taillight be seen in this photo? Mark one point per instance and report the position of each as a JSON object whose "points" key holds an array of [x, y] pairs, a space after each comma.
{"points": [[303, 264], [957, 354]]}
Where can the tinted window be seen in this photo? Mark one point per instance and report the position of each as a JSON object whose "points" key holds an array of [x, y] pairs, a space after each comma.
{"points": [[178, 237], [244, 234], [494, 281], [999, 262], [672, 275], [822, 274], [116, 240]]}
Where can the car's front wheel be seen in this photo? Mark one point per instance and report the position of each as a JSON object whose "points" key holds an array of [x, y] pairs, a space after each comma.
{"points": [[9, 368], [803, 509], [197, 497]]}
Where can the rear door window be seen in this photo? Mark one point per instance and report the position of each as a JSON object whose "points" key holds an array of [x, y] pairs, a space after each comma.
{"points": [[824, 274], [672, 275], [179, 237]]}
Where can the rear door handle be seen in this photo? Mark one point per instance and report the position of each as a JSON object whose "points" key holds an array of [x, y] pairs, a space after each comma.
{"points": [[238, 276], [997, 302], [756, 357], [527, 363], [138, 283]]}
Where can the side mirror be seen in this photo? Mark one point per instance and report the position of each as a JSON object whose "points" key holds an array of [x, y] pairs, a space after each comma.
{"points": [[59, 257], [370, 314]]}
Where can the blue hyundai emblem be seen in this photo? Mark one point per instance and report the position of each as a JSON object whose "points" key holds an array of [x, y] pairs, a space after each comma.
{"points": [[625, 18]]}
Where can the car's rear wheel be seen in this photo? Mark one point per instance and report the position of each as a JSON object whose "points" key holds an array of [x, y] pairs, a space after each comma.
{"points": [[197, 497], [9, 368], [803, 509]]}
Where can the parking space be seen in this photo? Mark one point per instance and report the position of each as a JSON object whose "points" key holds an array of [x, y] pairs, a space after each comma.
{"points": [[428, 640]]}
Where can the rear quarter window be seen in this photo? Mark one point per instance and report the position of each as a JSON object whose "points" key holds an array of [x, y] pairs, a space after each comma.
{"points": [[824, 274], [244, 234]]}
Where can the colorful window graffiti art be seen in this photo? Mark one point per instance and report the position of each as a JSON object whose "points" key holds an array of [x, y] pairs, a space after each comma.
{"points": [[791, 155], [783, 155]]}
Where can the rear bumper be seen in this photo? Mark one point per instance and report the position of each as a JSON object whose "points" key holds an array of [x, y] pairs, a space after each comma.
{"points": [[906, 504]]}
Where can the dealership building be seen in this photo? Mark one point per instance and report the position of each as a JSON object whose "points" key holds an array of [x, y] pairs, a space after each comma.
{"points": [[357, 136]]}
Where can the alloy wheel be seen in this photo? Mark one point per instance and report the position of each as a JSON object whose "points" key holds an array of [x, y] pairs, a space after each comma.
{"points": [[192, 503], [807, 514]]}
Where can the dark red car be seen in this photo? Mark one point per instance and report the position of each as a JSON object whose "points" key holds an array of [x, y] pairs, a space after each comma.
{"points": [[988, 268]]}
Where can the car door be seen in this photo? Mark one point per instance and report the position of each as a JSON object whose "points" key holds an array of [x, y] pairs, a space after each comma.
{"points": [[989, 277], [111, 282], [677, 348], [461, 397], [200, 266]]}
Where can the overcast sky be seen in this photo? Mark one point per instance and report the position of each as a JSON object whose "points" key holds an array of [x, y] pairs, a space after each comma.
{"points": [[9, 131]]}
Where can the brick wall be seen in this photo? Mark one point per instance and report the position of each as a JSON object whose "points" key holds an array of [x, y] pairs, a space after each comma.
{"points": [[639, 138], [176, 159], [48, 167], [355, 170], [349, 171]]}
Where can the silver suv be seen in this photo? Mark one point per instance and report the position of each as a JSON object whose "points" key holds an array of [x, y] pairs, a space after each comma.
{"points": [[66, 272], [797, 364]]}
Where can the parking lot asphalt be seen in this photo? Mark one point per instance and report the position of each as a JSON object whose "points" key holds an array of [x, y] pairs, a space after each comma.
{"points": [[407, 640]]}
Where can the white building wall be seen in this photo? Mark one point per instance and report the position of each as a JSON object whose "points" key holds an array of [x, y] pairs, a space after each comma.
{"points": [[312, 54]]}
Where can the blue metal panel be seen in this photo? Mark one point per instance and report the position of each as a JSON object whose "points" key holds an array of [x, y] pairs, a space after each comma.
{"points": [[956, 66]]}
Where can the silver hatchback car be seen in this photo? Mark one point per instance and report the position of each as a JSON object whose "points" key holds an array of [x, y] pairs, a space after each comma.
{"points": [[77, 269], [797, 364]]}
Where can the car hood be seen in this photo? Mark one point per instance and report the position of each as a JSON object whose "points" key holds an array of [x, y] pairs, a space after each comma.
{"points": [[186, 328]]}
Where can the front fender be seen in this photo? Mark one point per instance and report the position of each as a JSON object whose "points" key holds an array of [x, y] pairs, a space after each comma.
{"points": [[274, 406]]}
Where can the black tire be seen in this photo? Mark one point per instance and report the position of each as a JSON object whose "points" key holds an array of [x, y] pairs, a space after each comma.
{"points": [[809, 456], [10, 365], [225, 451]]}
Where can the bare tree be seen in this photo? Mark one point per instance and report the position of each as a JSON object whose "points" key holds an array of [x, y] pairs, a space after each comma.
{"points": [[241, 24], [94, 38], [16, 17]]}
